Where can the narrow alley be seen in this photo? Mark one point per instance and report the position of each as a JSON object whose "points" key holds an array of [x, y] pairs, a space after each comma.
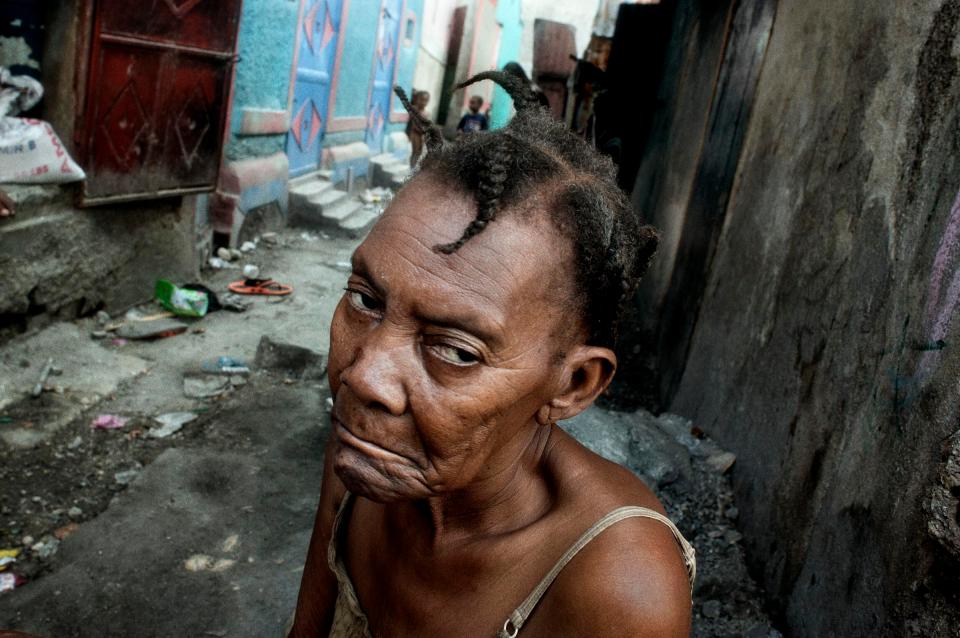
{"points": [[202, 396]]}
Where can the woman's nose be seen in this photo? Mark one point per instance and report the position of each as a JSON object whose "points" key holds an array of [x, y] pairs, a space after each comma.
{"points": [[375, 376]]}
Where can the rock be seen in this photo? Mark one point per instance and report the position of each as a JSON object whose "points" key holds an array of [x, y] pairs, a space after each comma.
{"points": [[74, 512], [248, 247], [99, 334], [102, 319], [722, 461], [75, 443], [271, 239], [27, 541], [126, 477], [170, 423], [292, 360], [204, 386], [710, 609], [46, 548], [235, 254], [224, 254]]}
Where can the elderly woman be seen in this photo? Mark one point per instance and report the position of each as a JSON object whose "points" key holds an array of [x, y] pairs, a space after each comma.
{"points": [[481, 310]]}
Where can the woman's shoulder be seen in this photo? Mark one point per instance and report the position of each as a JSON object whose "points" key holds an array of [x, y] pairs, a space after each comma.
{"points": [[631, 578]]}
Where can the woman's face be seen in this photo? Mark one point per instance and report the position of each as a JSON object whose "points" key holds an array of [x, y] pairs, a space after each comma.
{"points": [[439, 363]]}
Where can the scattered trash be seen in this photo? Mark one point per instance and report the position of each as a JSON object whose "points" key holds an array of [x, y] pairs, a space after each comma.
{"points": [[220, 264], [44, 375], [102, 319], [291, 359], [204, 563], [181, 301], [224, 254], [46, 548], [329, 404], [75, 443], [267, 287], [170, 423], [251, 271], [157, 329], [119, 342], [62, 532], [9, 582], [74, 512], [342, 266], [204, 387], [199, 330], [305, 236], [33, 151], [248, 247], [271, 239], [4, 420], [230, 543], [126, 476], [234, 303], [224, 365], [8, 557], [99, 334], [109, 422]]}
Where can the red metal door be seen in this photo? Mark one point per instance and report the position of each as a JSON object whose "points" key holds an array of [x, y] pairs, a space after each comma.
{"points": [[157, 97]]}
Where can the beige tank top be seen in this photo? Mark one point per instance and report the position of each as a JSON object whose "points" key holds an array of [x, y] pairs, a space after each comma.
{"points": [[349, 621]]}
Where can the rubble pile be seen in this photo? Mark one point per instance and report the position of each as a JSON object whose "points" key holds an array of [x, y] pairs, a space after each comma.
{"points": [[688, 472]]}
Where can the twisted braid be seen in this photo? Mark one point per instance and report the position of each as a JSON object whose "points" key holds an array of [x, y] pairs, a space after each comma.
{"points": [[432, 135], [492, 176], [535, 156]]}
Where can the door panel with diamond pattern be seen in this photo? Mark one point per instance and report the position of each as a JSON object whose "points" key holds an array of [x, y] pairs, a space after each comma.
{"points": [[157, 97]]}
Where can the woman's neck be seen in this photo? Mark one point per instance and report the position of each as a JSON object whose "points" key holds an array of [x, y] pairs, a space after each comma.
{"points": [[514, 493]]}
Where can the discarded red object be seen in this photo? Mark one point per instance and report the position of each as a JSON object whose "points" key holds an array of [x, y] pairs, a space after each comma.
{"points": [[260, 287], [109, 422]]}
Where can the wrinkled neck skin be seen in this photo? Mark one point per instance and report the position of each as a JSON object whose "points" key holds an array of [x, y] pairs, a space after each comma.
{"points": [[514, 491]]}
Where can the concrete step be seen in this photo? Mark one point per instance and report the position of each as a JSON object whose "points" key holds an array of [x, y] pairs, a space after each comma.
{"points": [[310, 189], [341, 210], [384, 167], [328, 198], [360, 221]]}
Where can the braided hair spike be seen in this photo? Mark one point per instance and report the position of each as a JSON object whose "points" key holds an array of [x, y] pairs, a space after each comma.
{"points": [[536, 160], [433, 136]]}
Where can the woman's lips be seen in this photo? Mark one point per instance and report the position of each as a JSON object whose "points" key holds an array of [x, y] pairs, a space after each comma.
{"points": [[366, 447]]}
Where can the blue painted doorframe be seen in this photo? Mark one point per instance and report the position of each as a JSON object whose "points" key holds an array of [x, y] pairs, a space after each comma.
{"points": [[320, 31], [384, 65]]}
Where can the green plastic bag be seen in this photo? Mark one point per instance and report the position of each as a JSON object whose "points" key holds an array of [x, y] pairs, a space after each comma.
{"points": [[180, 301]]}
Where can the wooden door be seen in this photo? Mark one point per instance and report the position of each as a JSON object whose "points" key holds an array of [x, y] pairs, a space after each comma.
{"points": [[157, 97], [319, 34]]}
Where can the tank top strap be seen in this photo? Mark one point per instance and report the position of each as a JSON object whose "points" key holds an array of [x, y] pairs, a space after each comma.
{"points": [[519, 616]]}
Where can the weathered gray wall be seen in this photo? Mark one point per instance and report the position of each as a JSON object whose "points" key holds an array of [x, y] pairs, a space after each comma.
{"points": [[57, 261], [825, 353]]}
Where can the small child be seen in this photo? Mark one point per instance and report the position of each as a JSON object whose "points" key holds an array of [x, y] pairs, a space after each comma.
{"points": [[474, 120], [415, 135]]}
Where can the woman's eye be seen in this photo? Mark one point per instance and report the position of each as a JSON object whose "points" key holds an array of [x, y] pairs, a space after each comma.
{"points": [[362, 301], [454, 355]]}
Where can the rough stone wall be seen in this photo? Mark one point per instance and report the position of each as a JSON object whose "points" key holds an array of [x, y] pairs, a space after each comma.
{"points": [[825, 351], [60, 262]]}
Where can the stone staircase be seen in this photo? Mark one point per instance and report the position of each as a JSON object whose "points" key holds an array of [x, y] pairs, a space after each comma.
{"points": [[388, 171], [316, 203]]}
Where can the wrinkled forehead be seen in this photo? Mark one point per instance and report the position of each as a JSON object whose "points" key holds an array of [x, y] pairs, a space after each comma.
{"points": [[517, 259]]}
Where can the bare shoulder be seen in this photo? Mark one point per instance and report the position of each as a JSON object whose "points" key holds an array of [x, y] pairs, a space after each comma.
{"points": [[631, 579]]}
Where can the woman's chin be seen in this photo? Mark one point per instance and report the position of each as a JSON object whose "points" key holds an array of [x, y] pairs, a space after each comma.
{"points": [[363, 479]]}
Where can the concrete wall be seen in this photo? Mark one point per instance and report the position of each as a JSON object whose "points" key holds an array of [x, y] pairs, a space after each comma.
{"points": [[578, 14], [511, 33], [824, 352], [259, 119], [356, 65], [434, 43]]}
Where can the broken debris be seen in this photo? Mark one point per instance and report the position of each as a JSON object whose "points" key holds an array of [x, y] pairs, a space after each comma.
{"points": [[170, 423], [109, 422], [292, 360]]}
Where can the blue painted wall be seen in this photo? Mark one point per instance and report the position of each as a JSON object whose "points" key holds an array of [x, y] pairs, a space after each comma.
{"points": [[508, 15], [267, 36], [407, 60], [356, 64]]}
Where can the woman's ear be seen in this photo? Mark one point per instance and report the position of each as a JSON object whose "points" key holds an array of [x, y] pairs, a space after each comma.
{"points": [[586, 373]]}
